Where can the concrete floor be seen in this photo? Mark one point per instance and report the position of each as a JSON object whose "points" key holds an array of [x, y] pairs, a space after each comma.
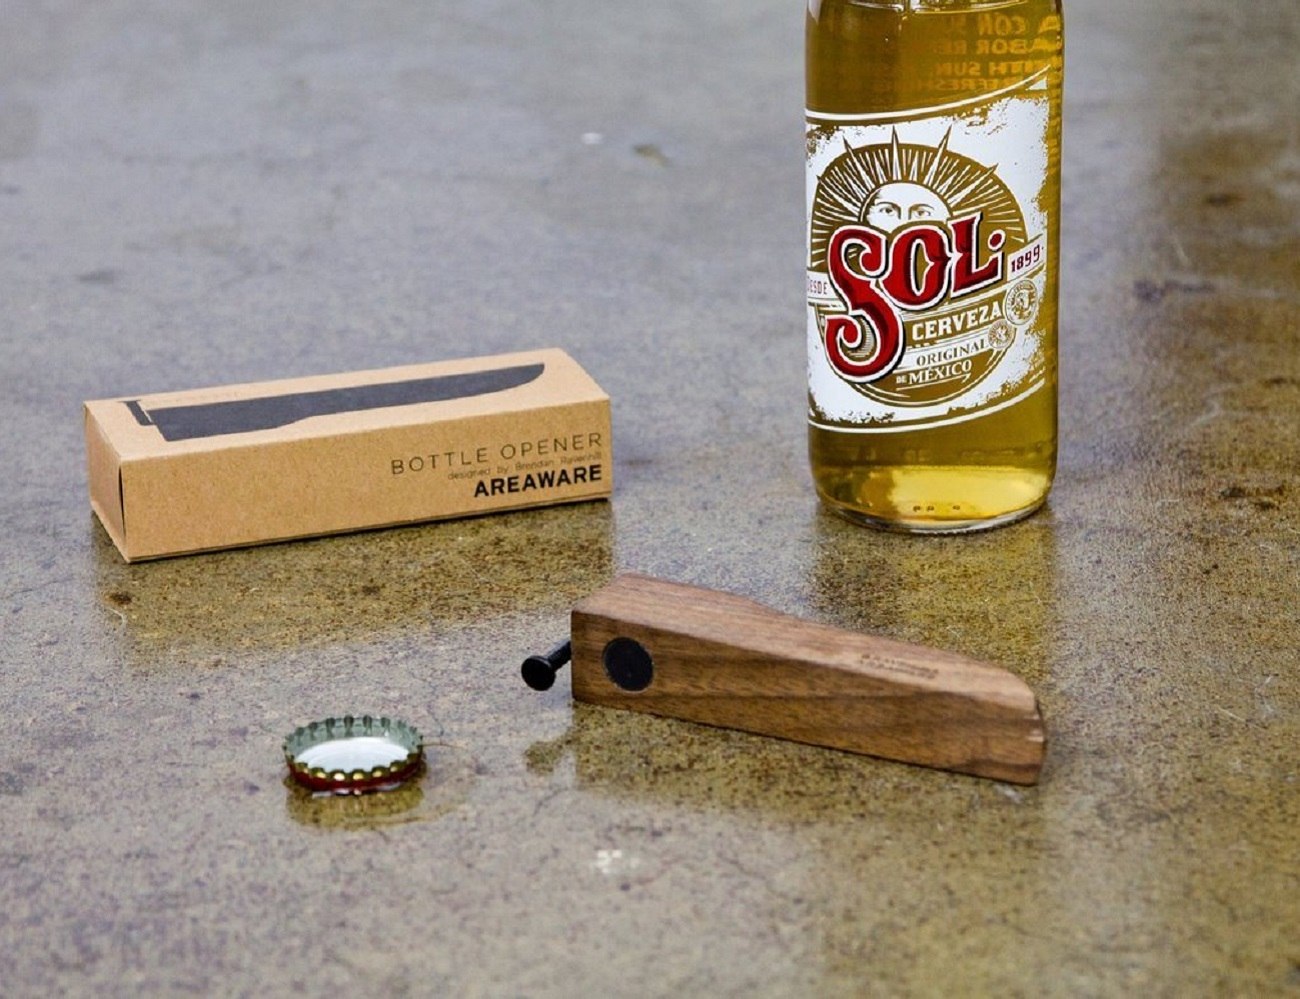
{"points": [[196, 192]]}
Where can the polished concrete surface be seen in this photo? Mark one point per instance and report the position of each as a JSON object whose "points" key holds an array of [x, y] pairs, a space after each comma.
{"points": [[196, 192]]}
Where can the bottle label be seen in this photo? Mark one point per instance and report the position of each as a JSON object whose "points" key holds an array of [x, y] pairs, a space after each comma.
{"points": [[927, 263]]}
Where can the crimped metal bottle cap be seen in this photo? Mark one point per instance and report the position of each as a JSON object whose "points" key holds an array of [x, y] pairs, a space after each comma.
{"points": [[350, 755]]}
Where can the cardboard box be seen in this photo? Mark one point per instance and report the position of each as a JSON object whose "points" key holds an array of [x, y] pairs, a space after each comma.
{"points": [[246, 464]]}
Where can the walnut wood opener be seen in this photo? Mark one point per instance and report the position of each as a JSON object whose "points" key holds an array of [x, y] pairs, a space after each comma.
{"points": [[668, 649]]}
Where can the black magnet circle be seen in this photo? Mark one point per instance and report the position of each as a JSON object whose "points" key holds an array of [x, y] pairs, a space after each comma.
{"points": [[628, 664]]}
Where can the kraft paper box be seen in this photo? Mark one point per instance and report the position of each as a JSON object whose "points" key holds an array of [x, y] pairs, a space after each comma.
{"points": [[246, 464]]}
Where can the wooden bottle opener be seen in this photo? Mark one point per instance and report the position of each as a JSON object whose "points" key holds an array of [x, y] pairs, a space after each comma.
{"points": [[719, 659]]}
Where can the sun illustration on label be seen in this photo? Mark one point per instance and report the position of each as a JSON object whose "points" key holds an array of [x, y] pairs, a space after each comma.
{"points": [[890, 185]]}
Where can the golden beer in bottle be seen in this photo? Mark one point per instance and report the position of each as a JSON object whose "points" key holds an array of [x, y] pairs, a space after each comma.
{"points": [[933, 144]]}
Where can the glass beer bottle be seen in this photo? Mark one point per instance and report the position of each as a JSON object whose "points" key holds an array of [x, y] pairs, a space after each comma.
{"points": [[933, 144]]}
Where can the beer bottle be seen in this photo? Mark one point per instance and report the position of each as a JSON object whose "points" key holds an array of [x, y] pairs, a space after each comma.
{"points": [[933, 144]]}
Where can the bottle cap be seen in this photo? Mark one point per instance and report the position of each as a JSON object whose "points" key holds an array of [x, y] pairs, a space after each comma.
{"points": [[350, 755]]}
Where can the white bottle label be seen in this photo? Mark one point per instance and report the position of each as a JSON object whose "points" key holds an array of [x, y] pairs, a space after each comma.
{"points": [[927, 262]]}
